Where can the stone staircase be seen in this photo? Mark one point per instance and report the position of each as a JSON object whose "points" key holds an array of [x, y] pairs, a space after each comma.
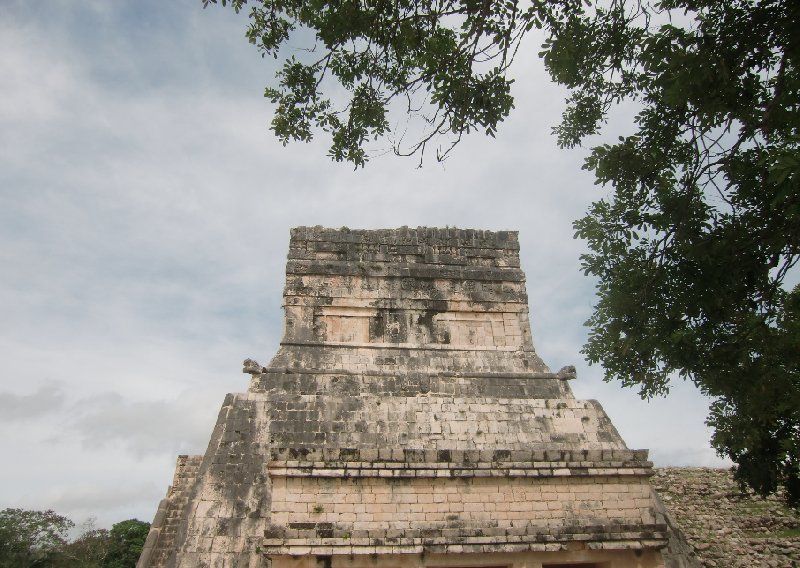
{"points": [[161, 540]]}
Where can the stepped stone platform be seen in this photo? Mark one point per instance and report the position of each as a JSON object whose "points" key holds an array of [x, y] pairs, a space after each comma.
{"points": [[407, 421]]}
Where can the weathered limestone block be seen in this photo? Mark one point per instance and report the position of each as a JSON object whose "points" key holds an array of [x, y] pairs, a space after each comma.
{"points": [[406, 420]]}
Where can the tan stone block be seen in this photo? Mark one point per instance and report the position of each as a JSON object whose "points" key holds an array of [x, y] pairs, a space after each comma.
{"points": [[431, 507], [298, 507], [616, 513], [222, 544], [352, 497], [391, 508], [425, 498], [523, 506]]}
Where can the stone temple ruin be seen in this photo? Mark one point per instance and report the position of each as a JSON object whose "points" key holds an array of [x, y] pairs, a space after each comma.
{"points": [[407, 421]]}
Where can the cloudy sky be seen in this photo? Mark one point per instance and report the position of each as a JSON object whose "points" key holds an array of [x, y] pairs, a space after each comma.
{"points": [[145, 210]]}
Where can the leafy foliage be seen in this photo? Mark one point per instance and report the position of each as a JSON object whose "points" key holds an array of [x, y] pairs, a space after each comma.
{"points": [[693, 248], [31, 538], [126, 541], [38, 539], [443, 61], [88, 550]]}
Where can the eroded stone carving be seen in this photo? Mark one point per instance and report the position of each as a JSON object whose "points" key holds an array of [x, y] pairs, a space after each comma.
{"points": [[252, 367]]}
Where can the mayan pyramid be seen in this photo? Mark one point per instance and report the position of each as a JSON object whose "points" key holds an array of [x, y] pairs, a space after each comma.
{"points": [[407, 421]]}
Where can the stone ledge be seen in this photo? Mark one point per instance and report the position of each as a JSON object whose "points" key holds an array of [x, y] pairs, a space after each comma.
{"points": [[394, 373], [407, 236], [403, 270], [514, 303], [314, 533], [466, 256], [405, 346], [455, 548], [458, 459], [612, 537], [324, 470], [503, 298]]}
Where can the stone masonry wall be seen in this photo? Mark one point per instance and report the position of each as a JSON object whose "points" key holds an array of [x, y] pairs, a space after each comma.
{"points": [[443, 288], [500, 503], [336, 412]]}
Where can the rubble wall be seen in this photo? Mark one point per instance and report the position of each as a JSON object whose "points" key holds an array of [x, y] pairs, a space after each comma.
{"points": [[726, 527]]}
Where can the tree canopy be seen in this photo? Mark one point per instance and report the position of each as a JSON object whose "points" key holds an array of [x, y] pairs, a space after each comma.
{"points": [[39, 539], [125, 544], [694, 248], [31, 538]]}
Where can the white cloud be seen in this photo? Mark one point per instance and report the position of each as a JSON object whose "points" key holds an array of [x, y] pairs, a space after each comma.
{"points": [[47, 399], [142, 427]]}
